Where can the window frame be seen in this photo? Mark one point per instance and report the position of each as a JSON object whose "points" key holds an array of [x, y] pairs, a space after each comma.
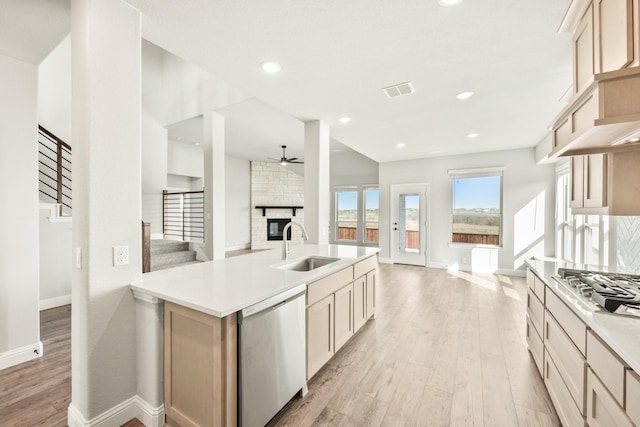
{"points": [[365, 189], [360, 215], [476, 173]]}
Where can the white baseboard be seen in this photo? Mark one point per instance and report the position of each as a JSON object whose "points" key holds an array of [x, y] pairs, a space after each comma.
{"points": [[382, 260], [157, 236], [500, 271], [20, 355], [134, 407], [48, 303], [514, 273]]}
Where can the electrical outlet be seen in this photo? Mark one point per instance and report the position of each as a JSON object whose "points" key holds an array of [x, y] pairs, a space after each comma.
{"points": [[120, 255]]}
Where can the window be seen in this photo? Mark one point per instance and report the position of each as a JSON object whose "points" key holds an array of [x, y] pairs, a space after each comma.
{"points": [[355, 215], [347, 215], [477, 207], [371, 215]]}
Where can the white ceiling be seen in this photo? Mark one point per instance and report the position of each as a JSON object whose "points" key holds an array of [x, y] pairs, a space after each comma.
{"points": [[30, 29], [337, 55]]}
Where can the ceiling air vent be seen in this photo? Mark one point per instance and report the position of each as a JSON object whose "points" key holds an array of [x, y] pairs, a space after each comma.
{"points": [[398, 90]]}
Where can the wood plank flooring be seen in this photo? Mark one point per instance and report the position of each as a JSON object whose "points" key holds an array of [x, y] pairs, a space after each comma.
{"points": [[446, 348]]}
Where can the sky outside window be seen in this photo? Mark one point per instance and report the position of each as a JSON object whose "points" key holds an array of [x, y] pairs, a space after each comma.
{"points": [[476, 193]]}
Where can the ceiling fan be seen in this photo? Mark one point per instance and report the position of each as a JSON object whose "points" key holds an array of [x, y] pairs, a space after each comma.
{"points": [[284, 160]]}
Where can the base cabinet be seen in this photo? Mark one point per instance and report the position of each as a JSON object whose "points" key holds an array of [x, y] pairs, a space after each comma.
{"points": [[320, 323], [200, 368], [343, 316], [337, 307], [602, 408]]}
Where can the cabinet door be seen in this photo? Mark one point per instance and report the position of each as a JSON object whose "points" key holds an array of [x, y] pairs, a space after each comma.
{"points": [[583, 52], [343, 315], [595, 181], [614, 34], [371, 294], [319, 334], [602, 409], [577, 182], [359, 302]]}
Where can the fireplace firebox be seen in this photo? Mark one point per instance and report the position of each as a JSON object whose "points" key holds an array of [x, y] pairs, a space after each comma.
{"points": [[275, 226]]}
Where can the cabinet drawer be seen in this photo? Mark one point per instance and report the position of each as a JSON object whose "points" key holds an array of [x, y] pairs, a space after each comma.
{"points": [[536, 285], [607, 366], [633, 397], [535, 310], [567, 359], [536, 348], [565, 407], [363, 267], [328, 285], [602, 408], [572, 325]]}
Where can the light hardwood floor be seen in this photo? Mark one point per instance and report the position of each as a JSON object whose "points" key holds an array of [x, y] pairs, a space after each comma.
{"points": [[446, 348]]}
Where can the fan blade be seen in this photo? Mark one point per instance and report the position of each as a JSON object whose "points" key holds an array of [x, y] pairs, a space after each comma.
{"points": [[295, 162], [293, 159]]}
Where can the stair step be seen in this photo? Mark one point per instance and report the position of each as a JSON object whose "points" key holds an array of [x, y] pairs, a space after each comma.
{"points": [[165, 267], [160, 246], [172, 259]]}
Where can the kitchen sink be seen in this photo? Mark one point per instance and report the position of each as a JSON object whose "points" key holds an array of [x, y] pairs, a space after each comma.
{"points": [[307, 264]]}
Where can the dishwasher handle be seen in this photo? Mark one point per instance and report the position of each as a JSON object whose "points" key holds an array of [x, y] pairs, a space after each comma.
{"points": [[272, 303]]}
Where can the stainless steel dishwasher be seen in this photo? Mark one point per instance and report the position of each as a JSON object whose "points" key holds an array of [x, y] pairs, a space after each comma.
{"points": [[271, 356]]}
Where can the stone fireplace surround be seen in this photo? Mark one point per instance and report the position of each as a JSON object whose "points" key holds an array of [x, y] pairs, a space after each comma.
{"points": [[274, 185]]}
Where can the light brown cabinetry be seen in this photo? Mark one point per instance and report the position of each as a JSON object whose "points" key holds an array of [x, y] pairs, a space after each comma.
{"points": [[320, 334], [607, 366], [200, 368], [343, 316], [602, 408], [535, 319], [603, 108], [632, 402], [565, 407], [605, 184], [337, 307]]}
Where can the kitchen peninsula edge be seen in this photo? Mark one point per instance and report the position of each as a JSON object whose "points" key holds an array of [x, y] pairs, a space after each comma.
{"points": [[210, 294]]}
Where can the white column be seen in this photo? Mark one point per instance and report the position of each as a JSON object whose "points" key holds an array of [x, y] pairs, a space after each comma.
{"points": [[214, 185], [316, 181], [106, 88]]}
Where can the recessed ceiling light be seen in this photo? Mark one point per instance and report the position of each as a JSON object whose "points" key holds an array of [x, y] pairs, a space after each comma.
{"points": [[448, 2], [270, 67], [401, 145], [197, 144], [344, 119], [464, 95], [472, 135]]}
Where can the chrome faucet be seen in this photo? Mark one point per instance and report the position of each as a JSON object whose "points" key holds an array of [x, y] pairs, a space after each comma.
{"points": [[285, 244]]}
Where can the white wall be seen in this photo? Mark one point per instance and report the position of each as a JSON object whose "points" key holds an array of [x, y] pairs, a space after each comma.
{"points": [[528, 206], [106, 127], [238, 203], [55, 262], [348, 167], [54, 91], [154, 171], [185, 159], [19, 315]]}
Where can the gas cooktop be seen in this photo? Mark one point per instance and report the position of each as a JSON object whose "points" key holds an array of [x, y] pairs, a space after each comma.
{"points": [[616, 293]]}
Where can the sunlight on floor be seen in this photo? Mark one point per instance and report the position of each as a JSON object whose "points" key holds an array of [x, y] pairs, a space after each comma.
{"points": [[506, 284]]}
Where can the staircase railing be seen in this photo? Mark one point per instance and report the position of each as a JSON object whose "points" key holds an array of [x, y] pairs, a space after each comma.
{"points": [[54, 167], [183, 215]]}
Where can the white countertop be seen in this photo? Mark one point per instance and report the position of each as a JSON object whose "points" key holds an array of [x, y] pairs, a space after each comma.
{"points": [[223, 287], [621, 333]]}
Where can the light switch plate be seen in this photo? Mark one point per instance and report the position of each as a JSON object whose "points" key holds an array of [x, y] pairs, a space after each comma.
{"points": [[120, 255]]}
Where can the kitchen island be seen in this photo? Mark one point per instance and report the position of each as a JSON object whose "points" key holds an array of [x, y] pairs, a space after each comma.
{"points": [[199, 332], [589, 358]]}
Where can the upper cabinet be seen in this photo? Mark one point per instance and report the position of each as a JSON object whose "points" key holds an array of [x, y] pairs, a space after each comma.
{"points": [[603, 111], [605, 184]]}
